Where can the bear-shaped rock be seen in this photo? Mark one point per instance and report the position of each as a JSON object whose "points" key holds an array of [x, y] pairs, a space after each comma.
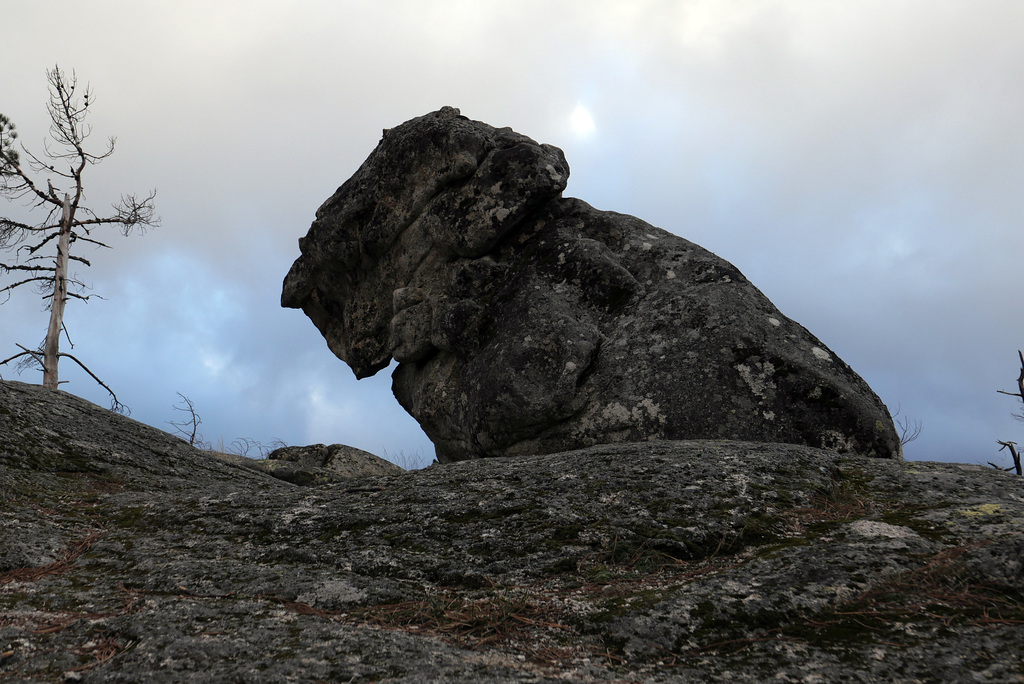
{"points": [[524, 322]]}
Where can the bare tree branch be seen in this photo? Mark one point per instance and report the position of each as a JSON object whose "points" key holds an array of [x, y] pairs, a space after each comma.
{"points": [[66, 222], [189, 427], [909, 429], [46, 279], [115, 405], [1020, 379], [10, 228], [1012, 446], [22, 267], [25, 352], [32, 249], [22, 185], [133, 213]]}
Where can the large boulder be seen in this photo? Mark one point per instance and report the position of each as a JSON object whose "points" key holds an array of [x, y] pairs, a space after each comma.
{"points": [[525, 322], [316, 464]]}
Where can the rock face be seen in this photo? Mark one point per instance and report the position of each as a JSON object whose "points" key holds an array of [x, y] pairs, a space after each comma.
{"points": [[316, 463], [340, 461], [128, 556], [526, 323]]}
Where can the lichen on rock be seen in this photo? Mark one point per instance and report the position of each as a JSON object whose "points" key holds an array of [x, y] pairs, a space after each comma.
{"points": [[127, 556], [525, 322]]}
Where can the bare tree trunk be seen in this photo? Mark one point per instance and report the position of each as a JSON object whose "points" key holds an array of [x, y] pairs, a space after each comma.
{"points": [[51, 348]]}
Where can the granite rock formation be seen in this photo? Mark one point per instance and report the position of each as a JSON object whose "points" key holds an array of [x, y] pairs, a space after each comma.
{"points": [[525, 323], [319, 462], [315, 464], [128, 556]]}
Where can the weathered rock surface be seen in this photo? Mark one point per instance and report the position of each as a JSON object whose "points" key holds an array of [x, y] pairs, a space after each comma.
{"points": [[341, 459], [316, 463], [127, 556], [527, 323]]}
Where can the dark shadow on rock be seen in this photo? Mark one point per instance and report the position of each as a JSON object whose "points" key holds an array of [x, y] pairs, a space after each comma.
{"points": [[525, 323]]}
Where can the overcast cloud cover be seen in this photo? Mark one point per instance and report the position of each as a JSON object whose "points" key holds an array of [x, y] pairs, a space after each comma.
{"points": [[861, 162]]}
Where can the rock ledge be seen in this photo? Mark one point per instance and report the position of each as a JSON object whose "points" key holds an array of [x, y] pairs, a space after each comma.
{"points": [[127, 556]]}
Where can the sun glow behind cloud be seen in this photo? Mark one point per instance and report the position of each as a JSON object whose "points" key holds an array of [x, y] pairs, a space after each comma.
{"points": [[582, 122]]}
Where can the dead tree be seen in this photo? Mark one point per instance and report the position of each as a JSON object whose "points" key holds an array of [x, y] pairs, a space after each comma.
{"points": [[909, 429], [66, 222], [1012, 446], [189, 427]]}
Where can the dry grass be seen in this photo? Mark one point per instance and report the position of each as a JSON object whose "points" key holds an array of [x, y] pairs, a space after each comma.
{"points": [[940, 590], [59, 566], [504, 616]]}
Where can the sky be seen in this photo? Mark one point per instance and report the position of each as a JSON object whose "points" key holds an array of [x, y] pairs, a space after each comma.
{"points": [[861, 162]]}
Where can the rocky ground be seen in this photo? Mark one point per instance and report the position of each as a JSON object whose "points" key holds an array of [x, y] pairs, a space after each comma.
{"points": [[126, 556]]}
